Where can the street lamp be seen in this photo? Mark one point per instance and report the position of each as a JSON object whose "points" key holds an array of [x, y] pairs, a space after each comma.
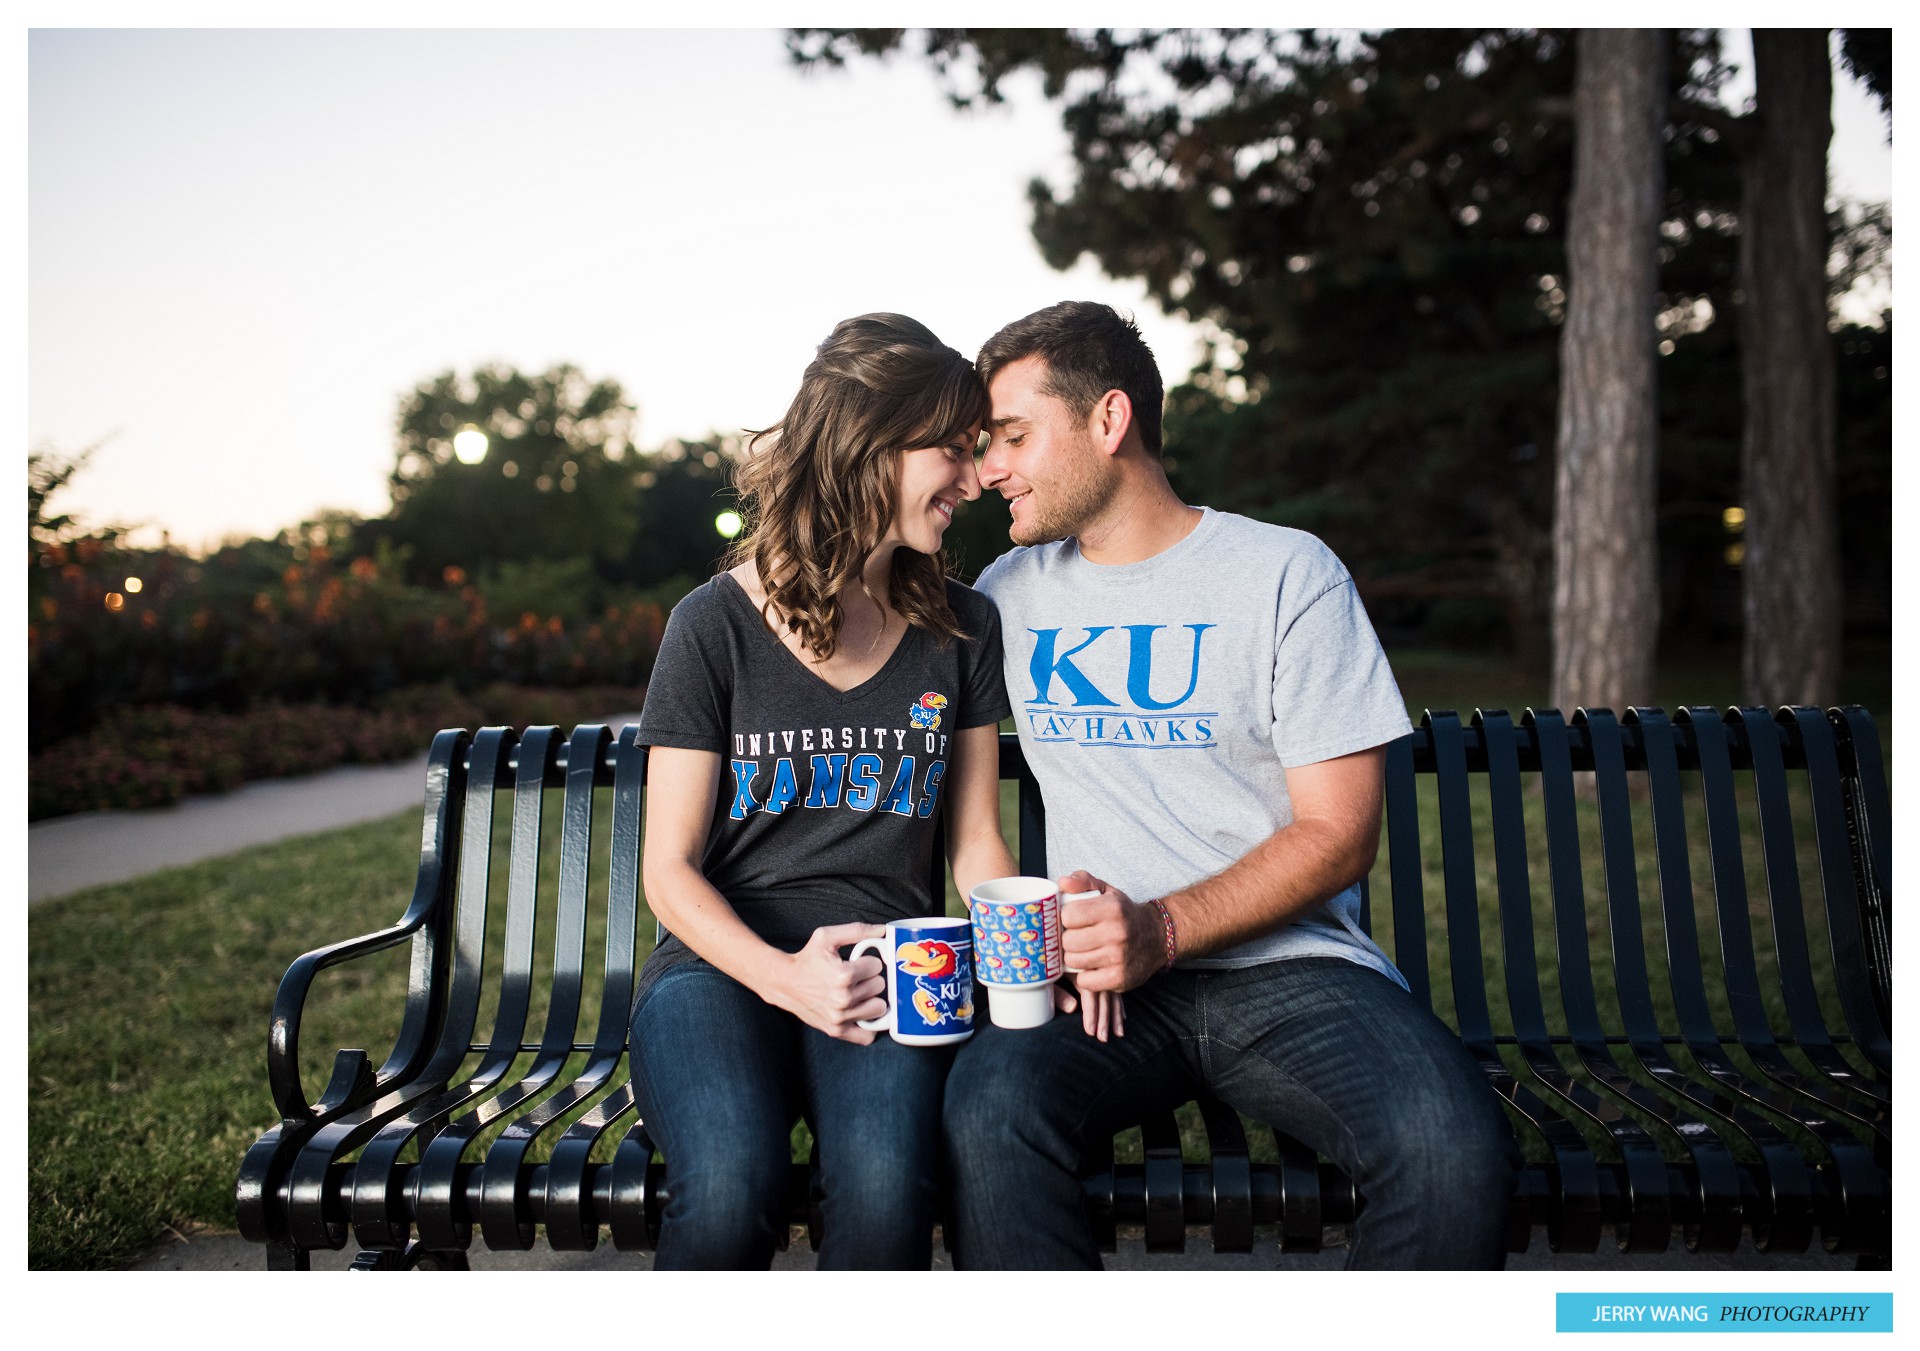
{"points": [[470, 446]]}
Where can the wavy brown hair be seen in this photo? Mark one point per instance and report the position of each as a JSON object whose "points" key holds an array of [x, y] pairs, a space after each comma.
{"points": [[818, 488]]}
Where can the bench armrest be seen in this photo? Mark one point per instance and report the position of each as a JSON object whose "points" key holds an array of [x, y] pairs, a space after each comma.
{"points": [[351, 1083]]}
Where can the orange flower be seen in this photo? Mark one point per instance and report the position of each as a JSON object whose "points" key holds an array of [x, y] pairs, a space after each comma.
{"points": [[453, 576], [364, 568]]}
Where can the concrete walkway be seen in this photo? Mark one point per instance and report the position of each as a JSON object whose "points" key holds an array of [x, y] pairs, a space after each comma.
{"points": [[93, 849]]}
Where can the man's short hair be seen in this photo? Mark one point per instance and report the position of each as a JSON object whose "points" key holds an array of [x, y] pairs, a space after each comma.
{"points": [[1089, 349]]}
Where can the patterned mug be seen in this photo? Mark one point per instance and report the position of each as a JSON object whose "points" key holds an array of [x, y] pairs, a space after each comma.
{"points": [[1016, 945]]}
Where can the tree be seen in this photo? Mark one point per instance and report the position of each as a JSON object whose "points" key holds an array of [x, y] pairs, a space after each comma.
{"points": [[1792, 567], [1374, 223], [683, 487], [1606, 597], [554, 481], [48, 473], [1792, 564]]}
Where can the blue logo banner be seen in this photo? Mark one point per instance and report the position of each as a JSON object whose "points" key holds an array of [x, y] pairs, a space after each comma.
{"points": [[1738, 1311]]}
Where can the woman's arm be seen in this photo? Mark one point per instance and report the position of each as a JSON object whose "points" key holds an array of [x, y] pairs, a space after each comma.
{"points": [[978, 852], [975, 847], [815, 984]]}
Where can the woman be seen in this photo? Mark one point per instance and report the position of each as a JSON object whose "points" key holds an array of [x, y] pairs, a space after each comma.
{"points": [[795, 787]]}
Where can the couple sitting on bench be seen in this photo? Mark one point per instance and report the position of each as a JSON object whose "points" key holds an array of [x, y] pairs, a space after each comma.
{"points": [[1204, 705]]}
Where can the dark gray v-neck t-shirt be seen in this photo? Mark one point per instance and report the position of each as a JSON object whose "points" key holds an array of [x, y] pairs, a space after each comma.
{"points": [[828, 799]]}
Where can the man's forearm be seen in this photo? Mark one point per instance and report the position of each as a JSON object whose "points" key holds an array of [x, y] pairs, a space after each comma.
{"points": [[1291, 871]]}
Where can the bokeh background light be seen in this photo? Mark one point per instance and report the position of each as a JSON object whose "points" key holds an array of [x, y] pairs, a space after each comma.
{"points": [[470, 446]]}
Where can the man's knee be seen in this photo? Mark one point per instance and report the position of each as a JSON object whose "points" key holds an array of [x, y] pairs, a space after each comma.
{"points": [[995, 1103], [1455, 1146]]}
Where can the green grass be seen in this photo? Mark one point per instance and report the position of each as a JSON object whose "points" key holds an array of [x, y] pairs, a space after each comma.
{"points": [[148, 1005], [147, 1012], [148, 1001]]}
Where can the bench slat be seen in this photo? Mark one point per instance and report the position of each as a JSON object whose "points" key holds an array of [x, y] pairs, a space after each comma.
{"points": [[441, 1156], [1785, 908], [1404, 871], [1844, 935]]}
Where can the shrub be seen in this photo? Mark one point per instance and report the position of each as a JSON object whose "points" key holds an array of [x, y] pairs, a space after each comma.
{"points": [[153, 755], [288, 622]]}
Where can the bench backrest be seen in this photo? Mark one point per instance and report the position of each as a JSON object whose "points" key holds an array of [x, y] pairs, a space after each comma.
{"points": [[1783, 816]]}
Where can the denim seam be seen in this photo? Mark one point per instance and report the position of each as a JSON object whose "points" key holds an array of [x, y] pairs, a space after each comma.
{"points": [[1360, 1164], [1080, 1126], [1205, 1035]]}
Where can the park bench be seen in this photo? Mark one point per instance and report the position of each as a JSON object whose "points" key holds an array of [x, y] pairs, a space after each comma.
{"points": [[1676, 1098]]}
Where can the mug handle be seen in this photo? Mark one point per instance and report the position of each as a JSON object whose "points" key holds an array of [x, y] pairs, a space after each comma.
{"points": [[1064, 898], [884, 1023]]}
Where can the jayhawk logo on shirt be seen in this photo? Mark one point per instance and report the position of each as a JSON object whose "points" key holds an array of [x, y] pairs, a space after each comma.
{"points": [[926, 713]]}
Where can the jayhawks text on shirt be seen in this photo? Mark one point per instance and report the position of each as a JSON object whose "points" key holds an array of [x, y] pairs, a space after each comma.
{"points": [[1070, 704]]}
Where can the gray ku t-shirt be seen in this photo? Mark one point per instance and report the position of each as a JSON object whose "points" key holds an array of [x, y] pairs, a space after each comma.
{"points": [[1160, 702]]}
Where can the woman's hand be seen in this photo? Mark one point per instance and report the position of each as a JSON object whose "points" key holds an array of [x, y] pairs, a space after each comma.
{"points": [[825, 991], [1103, 1012]]}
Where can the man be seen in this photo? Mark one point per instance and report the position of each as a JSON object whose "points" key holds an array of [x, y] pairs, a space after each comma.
{"points": [[1205, 707]]}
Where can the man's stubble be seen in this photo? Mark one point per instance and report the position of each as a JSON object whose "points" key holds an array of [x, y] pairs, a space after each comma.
{"points": [[1073, 500]]}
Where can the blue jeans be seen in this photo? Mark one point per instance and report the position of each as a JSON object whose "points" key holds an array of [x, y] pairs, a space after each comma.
{"points": [[721, 1076], [1334, 1054]]}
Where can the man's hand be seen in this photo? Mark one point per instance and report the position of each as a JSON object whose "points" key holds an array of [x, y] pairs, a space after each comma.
{"points": [[1113, 943], [1102, 1013]]}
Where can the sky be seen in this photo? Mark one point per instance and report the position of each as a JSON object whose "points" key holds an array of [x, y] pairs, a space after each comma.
{"points": [[246, 246]]}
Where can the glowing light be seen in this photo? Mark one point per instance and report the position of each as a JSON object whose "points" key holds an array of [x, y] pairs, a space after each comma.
{"points": [[470, 446], [729, 524], [133, 585], [116, 602], [1734, 519]]}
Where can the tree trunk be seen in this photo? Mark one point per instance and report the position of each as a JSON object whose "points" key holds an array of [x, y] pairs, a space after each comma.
{"points": [[1606, 603], [1792, 546]]}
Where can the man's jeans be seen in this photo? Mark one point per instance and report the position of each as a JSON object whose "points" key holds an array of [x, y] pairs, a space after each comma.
{"points": [[1334, 1054], [721, 1076]]}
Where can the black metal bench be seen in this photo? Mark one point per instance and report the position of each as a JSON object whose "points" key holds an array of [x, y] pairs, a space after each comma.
{"points": [[1743, 1096]]}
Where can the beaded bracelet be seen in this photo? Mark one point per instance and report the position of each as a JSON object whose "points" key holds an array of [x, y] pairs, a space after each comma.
{"points": [[1166, 922]]}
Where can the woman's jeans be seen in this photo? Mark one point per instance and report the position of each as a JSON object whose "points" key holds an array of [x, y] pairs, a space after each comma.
{"points": [[1333, 1053], [721, 1075]]}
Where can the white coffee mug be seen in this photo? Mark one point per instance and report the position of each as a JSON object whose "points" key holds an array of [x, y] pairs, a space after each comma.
{"points": [[929, 990]]}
